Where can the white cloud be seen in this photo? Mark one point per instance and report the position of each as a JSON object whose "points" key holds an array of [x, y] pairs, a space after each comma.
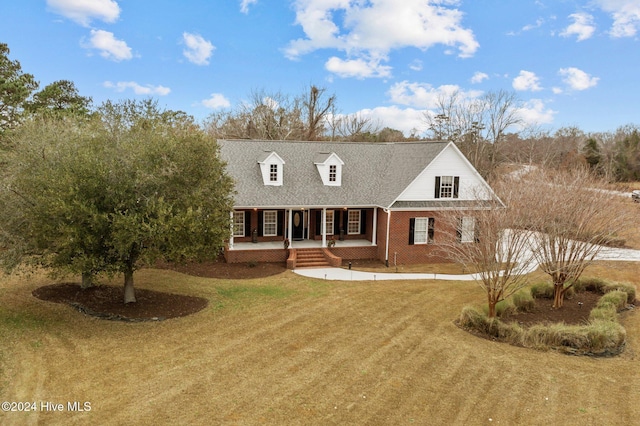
{"points": [[216, 101], [530, 27], [110, 47], [423, 95], [84, 11], [625, 14], [198, 49], [577, 79], [404, 119], [535, 112], [244, 5], [582, 26], [138, 89], [416, 65], [479, 77], [370, 30], [527, 80], [358, 68]]}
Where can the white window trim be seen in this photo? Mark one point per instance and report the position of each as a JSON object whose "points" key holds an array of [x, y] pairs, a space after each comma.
{"points": [[424, 233], [237, 224], [274, 223], [333, 173], [350, 222], [468, 229], [448, 186], [273, 174], [329, 222]]}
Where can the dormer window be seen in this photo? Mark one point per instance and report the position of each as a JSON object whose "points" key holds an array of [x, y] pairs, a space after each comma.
{"points": [[330, 168], [333, 173], [271, 168]]}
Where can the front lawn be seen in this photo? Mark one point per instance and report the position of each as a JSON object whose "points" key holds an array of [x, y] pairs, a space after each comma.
{"points": [[286, 349]]}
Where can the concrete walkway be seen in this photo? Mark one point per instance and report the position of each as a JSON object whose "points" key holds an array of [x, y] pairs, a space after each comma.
{"points": [[341, 274]]}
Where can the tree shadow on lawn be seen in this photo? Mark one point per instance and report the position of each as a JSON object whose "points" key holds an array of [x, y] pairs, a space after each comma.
{"points": [[106, 302]]}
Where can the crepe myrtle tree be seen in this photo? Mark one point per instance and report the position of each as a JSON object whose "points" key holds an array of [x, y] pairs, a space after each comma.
{"points": [[113, 192], [491, 241], [574, 217]]}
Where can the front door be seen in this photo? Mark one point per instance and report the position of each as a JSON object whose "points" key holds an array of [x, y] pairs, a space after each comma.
{"points": [[298, 225]]}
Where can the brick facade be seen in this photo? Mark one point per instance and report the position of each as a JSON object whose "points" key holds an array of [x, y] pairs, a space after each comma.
{"points": [[401, 252]]}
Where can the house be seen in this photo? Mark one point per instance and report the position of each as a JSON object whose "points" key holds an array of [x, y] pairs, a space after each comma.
{"points": [[347, 201]]}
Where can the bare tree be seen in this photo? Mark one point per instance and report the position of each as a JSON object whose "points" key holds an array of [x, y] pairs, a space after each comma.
{"points": [[573, 216], [353, 127], [477, 125], [493, 242], [317, 107]]}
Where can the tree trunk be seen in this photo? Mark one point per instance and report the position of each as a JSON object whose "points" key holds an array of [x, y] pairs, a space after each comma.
{"points": [[87, 280], [492, 306], [129, 291], [558, 295]]}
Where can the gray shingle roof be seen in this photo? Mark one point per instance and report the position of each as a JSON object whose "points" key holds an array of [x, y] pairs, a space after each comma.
{"points": [[374, 174]]}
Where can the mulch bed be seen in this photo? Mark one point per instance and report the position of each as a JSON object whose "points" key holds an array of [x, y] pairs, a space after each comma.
{"points": [[107, 302], [575, 310], [221, 269]]}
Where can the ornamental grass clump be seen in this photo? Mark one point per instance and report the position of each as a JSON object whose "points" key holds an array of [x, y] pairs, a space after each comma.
{"points": [[523, 300], [542, 290]]}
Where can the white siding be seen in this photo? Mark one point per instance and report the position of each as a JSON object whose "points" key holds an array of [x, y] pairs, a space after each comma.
{"points": [[450, 162], [323, 170]]}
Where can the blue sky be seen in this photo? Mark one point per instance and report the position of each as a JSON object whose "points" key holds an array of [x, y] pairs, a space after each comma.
{"points": [[572, 63]]}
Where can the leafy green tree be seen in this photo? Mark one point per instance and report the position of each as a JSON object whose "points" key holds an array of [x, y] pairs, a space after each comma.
{"points": [[15, 89], [121, 190], [58, 97], [591, 152]]}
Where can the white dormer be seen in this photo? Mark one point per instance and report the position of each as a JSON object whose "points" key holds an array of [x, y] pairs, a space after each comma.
{"points": [[272, 168], [330, 168]]}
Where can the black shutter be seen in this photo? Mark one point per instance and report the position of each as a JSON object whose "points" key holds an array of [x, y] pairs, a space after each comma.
{"points": [[280, 224], [363, 222], [247, 223], [345, 221], [456, 185], [459, 229], [336, 221], [260, 221], [318, 222], [431, 230], [412, 229], [437, 193]]}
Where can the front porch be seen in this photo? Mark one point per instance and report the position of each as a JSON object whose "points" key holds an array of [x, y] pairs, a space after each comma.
{"points": [[274, 251], [274, 245]]}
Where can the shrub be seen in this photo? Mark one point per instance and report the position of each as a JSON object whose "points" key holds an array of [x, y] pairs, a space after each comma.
{"points": [[604, 313], [616, 298], [557, 336], [628, 289], [475, 320], [593, 284], [503, 307], [523, 300], [542, 290], [606, 337]]}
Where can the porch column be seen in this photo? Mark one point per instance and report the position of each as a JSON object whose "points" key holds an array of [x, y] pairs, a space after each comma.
{"points": [[386, 254], [374, 231], [323, 226], [231, 226], [289, 231]]}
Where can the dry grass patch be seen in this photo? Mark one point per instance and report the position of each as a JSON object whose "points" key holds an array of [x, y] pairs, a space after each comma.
{"points": [[293, 350]]}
